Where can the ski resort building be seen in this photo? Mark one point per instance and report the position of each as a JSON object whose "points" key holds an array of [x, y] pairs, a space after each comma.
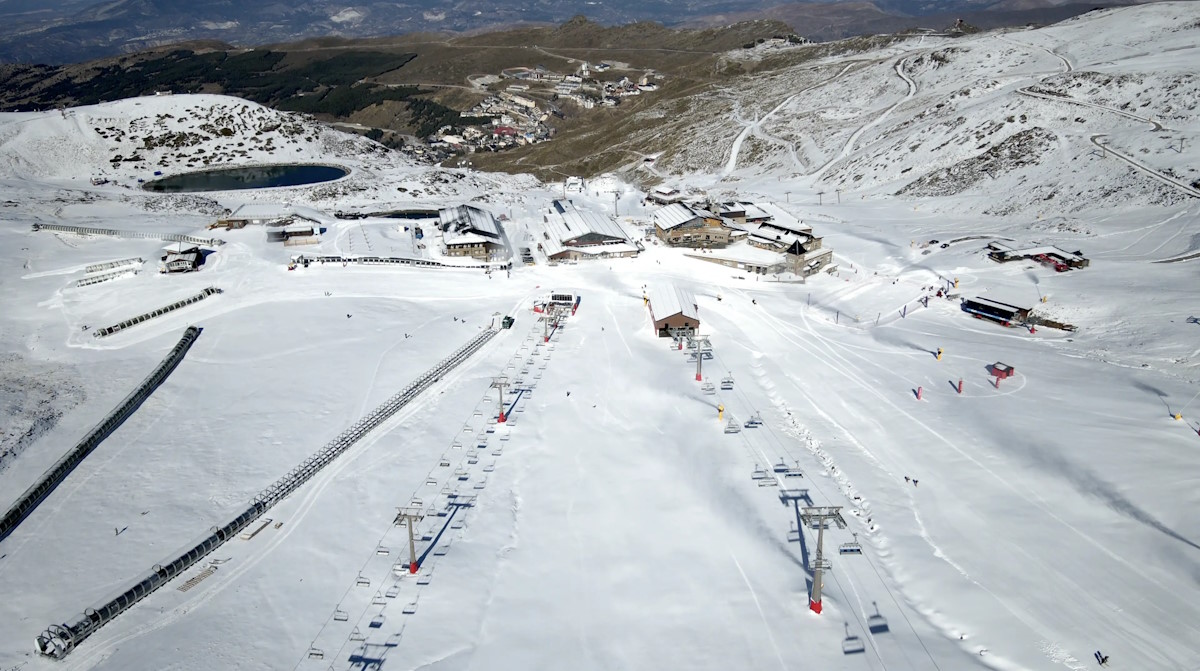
{"points": [[180, 258], [1005, 314], [1050, 255], [664, 195], [742, 213], [742, 256], [572, 234], [271, 214], [803, 252], [681, 225], [470, 231], [673, 310]]}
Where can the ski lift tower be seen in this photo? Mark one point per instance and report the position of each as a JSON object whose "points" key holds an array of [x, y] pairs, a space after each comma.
{"points": [[499, 383], [410, 516], [819, 516], [550, 318], [700, 345]]}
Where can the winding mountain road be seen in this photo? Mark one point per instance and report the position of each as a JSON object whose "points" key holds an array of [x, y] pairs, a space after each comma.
{"points": [[1165, 179]]}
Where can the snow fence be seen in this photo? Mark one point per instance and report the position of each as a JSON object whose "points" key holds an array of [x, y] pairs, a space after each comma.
{"points": [[134, 321], [114, 233], [97, 279], [97, 267], [63, 467], [58, 640]]}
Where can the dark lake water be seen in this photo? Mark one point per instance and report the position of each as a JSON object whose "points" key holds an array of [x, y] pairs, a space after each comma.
{"points": [[251, 177]]}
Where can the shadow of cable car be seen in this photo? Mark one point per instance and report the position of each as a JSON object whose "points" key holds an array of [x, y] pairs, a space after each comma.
{"points": [[852, 645], [877, 624]]}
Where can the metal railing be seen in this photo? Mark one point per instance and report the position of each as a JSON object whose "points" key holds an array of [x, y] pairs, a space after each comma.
{"points": [[58, 640]]}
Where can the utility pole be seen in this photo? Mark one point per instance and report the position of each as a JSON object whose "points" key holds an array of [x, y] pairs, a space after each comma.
{"points": [[409, 517], [699, 344], [819, 194], [616, 195], [820, 515], [499, 383]]}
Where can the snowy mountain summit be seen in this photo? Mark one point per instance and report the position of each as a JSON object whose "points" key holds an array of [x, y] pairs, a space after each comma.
{"points": [[416, 417]]}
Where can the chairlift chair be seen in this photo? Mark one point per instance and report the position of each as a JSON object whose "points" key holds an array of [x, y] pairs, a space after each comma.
{"points": [[392, 592], [781, 467], [851, 548], [316, 653], [378, 600], [754, 422], [727, 383], [377, 622], [340, 615], [733, 426], [877, 624], [708, 388], [488, 468], [759, 473], [473, 459], [382, 551], [357, 635], [410, 608], [424, 578], [362, 581]]}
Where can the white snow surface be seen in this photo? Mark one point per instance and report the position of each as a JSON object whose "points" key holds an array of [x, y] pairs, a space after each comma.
{"points": [[616, 524]]}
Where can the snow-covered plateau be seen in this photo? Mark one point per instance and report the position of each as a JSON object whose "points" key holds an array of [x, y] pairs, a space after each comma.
{"points": [[614, 521]]}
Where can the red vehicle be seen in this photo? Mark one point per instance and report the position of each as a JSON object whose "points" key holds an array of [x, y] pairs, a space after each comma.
{"points": [[1053, 262]]}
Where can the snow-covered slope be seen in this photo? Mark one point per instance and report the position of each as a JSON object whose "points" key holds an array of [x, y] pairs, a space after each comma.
{"points": [[1020, 524], [1010, 115]]}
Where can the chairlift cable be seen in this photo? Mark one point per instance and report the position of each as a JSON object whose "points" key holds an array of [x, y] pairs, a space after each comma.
{"points": [[782, 446]]}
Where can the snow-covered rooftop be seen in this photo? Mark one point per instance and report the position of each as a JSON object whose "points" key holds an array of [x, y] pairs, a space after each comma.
{"points": [[566, 222], [668, 299], [670, 216], [469, 218]]}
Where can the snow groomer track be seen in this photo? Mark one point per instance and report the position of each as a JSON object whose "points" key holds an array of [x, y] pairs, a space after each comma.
{"points": [[63, 467], [58, 640]]}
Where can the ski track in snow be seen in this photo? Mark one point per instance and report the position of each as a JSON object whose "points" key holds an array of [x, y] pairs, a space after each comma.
{"points": [[763, 616]]}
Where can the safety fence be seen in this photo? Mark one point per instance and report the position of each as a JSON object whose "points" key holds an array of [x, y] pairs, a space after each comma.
{"points": [[114, 233], [115, 328], [58, 640], [97, 279], [97, 267], [394, 261], [59, 471]]}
